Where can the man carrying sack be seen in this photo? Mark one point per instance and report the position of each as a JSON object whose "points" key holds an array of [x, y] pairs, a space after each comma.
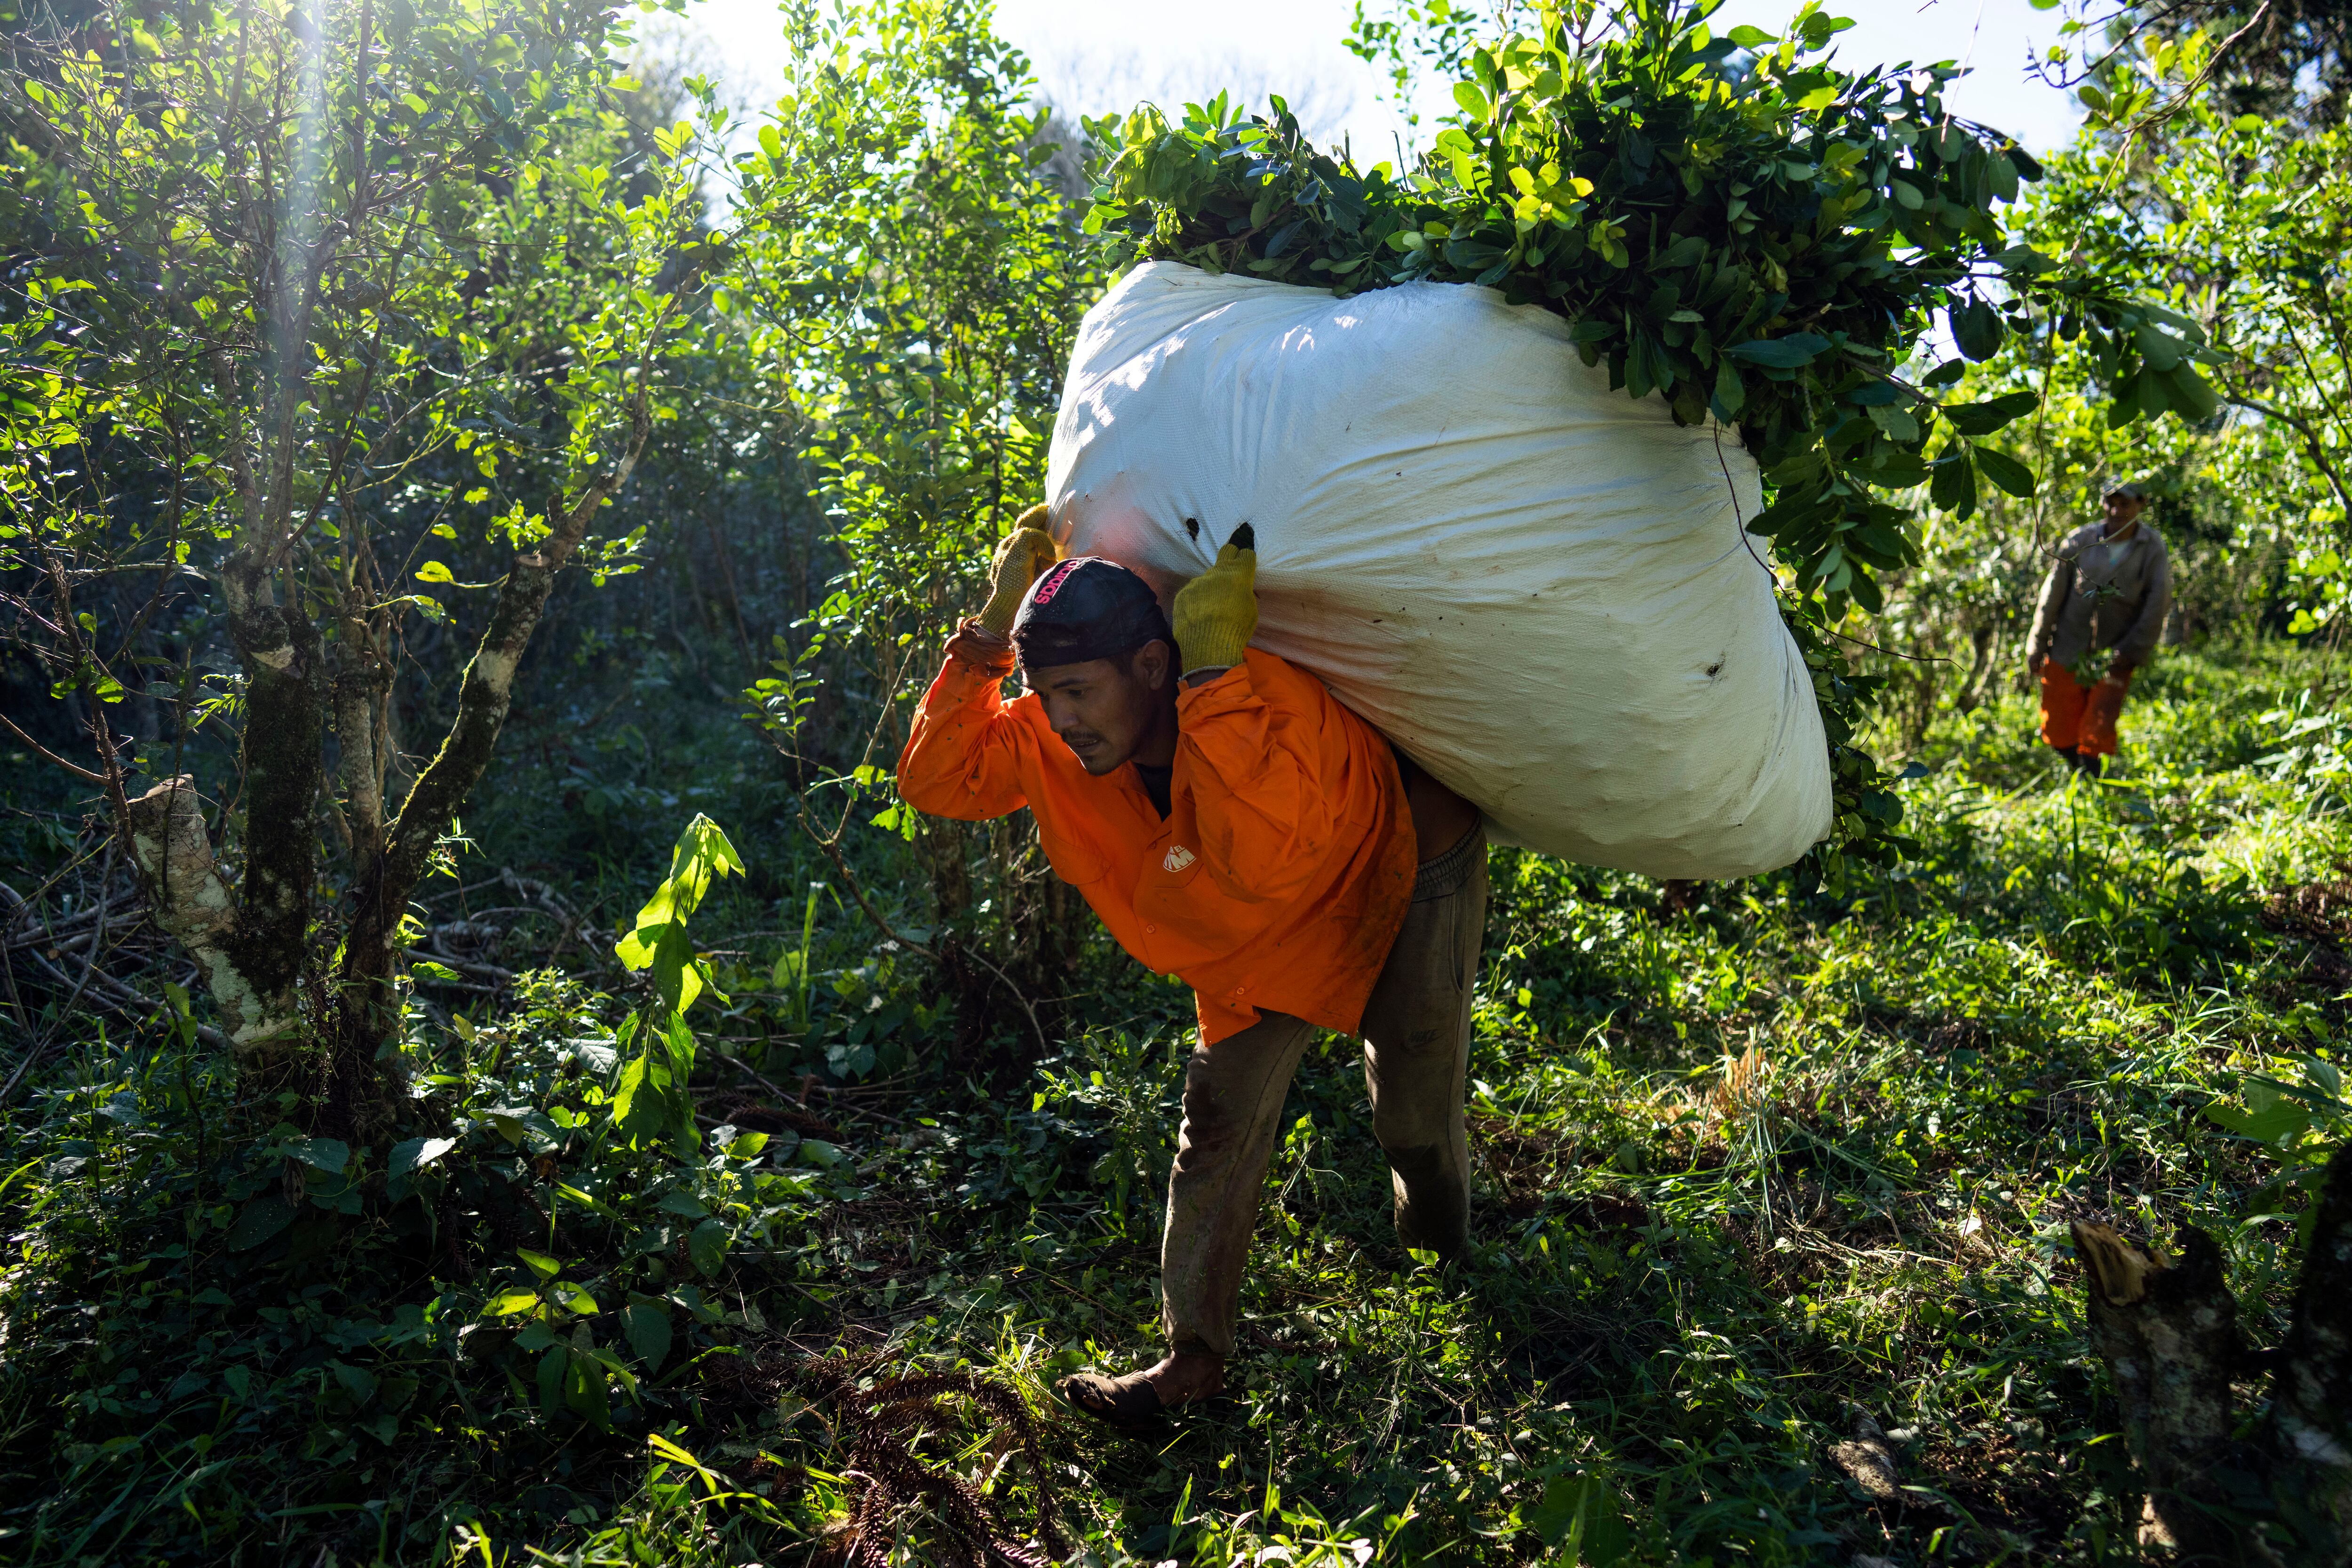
{"points": [[2102, 611], [1235, 826]]}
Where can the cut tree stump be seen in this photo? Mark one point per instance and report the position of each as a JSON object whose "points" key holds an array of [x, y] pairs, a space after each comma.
{"points": [[2167, 1329]]}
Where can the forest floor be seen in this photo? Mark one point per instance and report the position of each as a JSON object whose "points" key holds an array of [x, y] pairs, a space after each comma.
{"points": [[1772, 1199]]}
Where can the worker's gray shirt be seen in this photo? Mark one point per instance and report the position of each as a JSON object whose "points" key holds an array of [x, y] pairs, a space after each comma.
{"points": [[2101, 596]]}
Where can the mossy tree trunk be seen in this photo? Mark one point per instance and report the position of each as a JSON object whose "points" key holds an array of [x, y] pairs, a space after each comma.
{"points": [[392, 857], [256, 940]]}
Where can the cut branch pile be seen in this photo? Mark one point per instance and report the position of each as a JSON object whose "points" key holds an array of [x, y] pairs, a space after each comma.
{"points": [[80, 943]]}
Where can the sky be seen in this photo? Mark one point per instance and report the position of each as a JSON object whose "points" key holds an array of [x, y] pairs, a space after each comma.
{"points": [[1093, 55]]}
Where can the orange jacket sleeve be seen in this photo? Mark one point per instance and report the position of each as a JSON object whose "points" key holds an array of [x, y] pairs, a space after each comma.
{"points": [[965, 756], [1259, 788]]}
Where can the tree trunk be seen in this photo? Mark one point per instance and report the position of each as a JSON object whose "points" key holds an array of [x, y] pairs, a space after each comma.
{"points": [[1048, 930], [253, 943], [944, 847], [1972, 692], [367, 988], [2311, 1397], [195, 905], [2167, 1331]]}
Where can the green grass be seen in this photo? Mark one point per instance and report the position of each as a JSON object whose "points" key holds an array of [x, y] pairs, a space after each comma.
{"points": [[1744, 1175]]}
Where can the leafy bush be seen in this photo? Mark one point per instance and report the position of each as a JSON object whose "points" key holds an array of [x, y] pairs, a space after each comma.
{"points": [[546, 1249]]}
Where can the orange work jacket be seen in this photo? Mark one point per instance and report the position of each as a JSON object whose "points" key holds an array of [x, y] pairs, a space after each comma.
{"points": [[1283, 870]]}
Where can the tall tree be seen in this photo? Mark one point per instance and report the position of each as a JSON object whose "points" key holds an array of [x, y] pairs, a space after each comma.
{"points": [[929, 404], [295, 263], [2243, 223]]}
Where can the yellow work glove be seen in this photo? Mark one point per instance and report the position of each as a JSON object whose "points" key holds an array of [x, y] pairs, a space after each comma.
{"points": [[1023, 554], [1216, 613]]}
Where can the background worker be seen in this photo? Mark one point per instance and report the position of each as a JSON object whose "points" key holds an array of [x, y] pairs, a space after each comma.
{"points": [[2101, 613], [1233, 825]]}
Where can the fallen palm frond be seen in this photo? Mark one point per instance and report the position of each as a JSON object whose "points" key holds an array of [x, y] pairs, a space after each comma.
{"points": [[883, 1423]]}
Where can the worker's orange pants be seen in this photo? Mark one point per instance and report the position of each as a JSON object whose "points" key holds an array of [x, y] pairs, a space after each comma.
{"points": [[2080, 719]]}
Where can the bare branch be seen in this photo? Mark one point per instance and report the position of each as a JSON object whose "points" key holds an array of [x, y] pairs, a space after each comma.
{"points": [[47, 756]]}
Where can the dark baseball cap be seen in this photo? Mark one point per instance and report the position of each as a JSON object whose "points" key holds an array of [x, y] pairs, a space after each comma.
{"points": [[1086, 608]]}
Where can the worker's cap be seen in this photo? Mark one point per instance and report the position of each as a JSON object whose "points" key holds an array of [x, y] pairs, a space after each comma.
{"points": [[1086, 608], [2130, 489]]}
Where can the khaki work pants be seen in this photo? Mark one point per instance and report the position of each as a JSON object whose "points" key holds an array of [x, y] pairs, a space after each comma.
{"points": [[1416, 1052]]}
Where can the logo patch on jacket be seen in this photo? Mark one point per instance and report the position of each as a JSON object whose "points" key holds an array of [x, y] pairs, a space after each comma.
{"points": [[1178, 858]]}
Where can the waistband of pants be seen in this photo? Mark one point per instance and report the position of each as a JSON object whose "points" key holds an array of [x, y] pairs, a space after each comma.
{"points": [[1445, 876]]}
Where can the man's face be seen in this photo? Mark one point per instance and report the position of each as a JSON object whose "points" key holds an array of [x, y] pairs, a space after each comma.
{"points": [[2123, 511], [1107, 710]]}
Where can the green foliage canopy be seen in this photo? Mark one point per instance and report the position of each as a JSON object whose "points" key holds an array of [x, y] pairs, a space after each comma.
{"points": [[311, 294], [2247, 232]]}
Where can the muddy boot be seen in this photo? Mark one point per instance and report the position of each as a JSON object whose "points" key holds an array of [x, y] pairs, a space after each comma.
{"points": [[1433, 1202], [1141, 1398]]}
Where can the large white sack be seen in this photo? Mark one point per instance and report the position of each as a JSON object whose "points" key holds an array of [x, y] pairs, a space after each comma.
{"points": [[1537, 586]]}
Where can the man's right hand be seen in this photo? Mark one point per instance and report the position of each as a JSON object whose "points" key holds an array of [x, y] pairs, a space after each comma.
{"points": [[2034, 665], [976, 646], [1021, 555]]}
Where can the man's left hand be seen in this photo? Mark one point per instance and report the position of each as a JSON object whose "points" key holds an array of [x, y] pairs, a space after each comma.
{"points": [[1216, 613]]}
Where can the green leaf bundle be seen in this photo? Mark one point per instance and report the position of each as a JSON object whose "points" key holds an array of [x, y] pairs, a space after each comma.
{"points": [[1732, 224]]}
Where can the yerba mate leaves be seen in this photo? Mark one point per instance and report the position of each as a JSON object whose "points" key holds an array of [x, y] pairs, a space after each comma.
{"points": [[1753, 235]]}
